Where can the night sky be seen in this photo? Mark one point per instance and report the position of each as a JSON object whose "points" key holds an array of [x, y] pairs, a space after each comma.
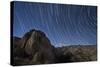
{"points": [[63, 24]]}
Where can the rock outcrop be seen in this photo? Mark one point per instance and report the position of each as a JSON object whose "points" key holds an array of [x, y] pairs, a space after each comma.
{"points": [[36, 47]]}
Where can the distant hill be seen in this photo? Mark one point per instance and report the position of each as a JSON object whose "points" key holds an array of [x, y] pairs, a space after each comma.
{"points": [[35, 48], [78, 53]]}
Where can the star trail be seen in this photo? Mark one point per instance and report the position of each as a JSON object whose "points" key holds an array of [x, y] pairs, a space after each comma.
{"points": [[63, 24]]}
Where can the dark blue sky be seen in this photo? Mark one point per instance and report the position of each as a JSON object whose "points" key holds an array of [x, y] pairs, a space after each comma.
{"points": [[63, 24]]}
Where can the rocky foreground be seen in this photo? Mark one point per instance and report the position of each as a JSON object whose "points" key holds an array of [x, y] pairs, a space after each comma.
{"points": [[35, 48]]}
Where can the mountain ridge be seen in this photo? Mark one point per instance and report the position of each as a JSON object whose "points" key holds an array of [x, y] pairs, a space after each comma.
{"points": [[35, 48]]}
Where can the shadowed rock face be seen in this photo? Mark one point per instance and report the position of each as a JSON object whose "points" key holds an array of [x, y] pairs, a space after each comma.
{"points": [[37, 48]]}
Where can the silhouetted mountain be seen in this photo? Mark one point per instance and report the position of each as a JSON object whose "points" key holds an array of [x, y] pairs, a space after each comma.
{"points": [[35, 48]]}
